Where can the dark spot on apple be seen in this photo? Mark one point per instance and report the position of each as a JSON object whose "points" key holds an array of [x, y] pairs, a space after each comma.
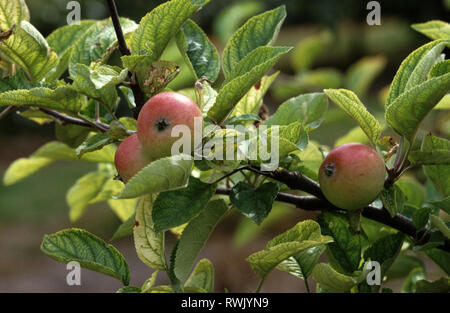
{"points": [[162, 124], [329, 169]]}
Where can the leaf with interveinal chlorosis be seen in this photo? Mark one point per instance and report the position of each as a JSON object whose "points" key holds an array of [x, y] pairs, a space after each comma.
{"points": [[62, 41], [132, 61], [98, 82], [176, 207], [27, 48], [260, 30], [361, 74], [195, 236], [414, 69], [409, 109], [125, 229], [199, 53], [307, 108], [244, 119], [252, 100], [352, 106], [206, 96], [165, 174], [94, 143], [254, 203], [233, 91], [433, 29], [332, 280], [202, 276], [302, 237], [150, 282], [84, 190], [149, 244], [385, 250], [438, 174], [52, 151], [160, 25], [88, 250], [63, 98], [355, 134], [156, 76], [98, 41], [348, 245], [71, 135], [441, 285], [13, 12], [129, 289], [392, 199], [123, 208]]}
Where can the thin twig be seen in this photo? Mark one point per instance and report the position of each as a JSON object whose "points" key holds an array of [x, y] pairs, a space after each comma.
{"points": [[76, 121], [6, 111]]}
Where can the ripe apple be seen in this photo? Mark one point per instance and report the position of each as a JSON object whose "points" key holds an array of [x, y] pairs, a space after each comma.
{"points": [[158, 117], [129, 158], [352, 175]]}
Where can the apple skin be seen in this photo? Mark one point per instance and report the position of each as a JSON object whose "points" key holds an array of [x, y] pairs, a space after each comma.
{"points": [[157, 118], [129, 158], [352, 175]]}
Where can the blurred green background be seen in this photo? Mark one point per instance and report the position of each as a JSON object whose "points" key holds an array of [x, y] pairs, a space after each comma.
{"points": [[331, 39]]}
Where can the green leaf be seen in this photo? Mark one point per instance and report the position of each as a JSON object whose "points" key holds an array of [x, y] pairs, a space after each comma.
{"points": [[385, 251], [302, 264], [420, 217], [13, 12], [356, 134], [402, 266], [71, 135], [123, 208], [409, 109], [414, 276], [62, 41], [437, 222], [440, 68], [233, 91], [233, 16], [27, 48], [434, 157], [300, 238], [159, 26], [307, 108], [90, 251], [332, 280], [98, 42], [443, 204], [149, 244], [58, 151], [24, 167], [63, 98], [433, 29], [393, 200], [174, 208], [129, 289], [252, 100], [17, 81], [308, 50], [439, 175], [414, 69], [202, 276], [441, 258], [195, 236], [257, 203], [438, 286], [260, 30], [84, 190], [244, 119], [199, 53], [150, 282], [352, 106], [161, 175], [94, 143], [125, 229], [347, 245], [361, 74]]}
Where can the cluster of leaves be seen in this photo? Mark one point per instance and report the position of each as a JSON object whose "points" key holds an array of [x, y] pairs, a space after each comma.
{"points": [[179, 194]]}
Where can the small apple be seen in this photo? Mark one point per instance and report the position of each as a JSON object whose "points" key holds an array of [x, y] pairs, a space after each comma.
{"points": [[157, 118], [129, 158], [352, 175]]}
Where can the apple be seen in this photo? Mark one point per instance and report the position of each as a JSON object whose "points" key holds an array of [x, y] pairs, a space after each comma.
{"points": [[129, 158], [352, 175], [159, 115]]}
